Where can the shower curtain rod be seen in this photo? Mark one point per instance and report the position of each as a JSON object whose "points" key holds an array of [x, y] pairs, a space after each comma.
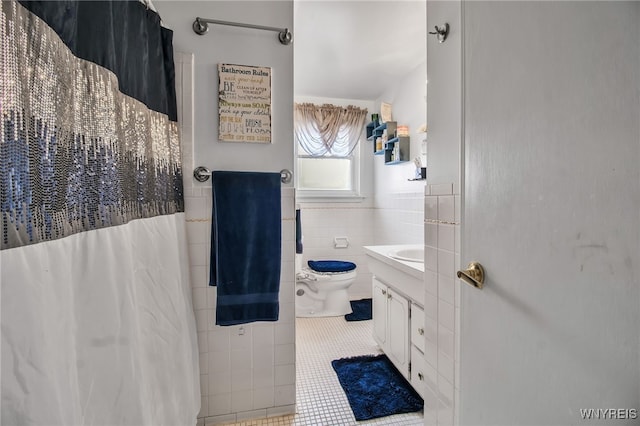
{"points": [[201, 26], [201, 174]]}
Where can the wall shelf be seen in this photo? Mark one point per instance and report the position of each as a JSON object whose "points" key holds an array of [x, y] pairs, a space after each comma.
{"points": [[375, 130], [397, 150]]}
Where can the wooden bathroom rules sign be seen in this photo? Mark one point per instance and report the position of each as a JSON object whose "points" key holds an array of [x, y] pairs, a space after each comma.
{"points": [[244, 103]]}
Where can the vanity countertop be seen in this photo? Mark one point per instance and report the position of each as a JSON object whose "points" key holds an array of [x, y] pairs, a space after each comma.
{"points": [[382, 253]]}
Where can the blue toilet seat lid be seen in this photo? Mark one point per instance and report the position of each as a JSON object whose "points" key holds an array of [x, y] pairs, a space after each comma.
{"points": [[331, 265]]}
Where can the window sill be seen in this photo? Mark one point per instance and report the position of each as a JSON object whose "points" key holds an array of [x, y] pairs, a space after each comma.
{"points": [[306, 197]]}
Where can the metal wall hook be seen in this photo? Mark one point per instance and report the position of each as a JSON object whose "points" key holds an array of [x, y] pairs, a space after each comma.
{"points": [[441, 32]]}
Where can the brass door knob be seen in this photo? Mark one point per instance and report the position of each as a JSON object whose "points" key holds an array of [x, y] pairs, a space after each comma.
{"points": [[473, 275]]}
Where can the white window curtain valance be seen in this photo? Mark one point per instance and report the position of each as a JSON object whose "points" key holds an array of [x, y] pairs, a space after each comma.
{"points": [[328, 130]]}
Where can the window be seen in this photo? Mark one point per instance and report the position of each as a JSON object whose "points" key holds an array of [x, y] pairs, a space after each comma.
{"points": [[327, 149], [326, 173]]}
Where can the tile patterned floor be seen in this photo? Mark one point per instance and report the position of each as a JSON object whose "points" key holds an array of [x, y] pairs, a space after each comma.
{"points": [[320, 400]]}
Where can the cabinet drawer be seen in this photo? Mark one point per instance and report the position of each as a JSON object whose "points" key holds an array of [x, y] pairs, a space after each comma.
{"points": [[418, 373], [417, 326]]}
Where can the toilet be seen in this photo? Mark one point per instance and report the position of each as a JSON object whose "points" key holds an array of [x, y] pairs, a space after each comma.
{"points": [[321, 288]]}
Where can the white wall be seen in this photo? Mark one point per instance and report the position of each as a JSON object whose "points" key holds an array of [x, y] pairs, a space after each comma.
{"points": [[321, 222], [409, 106], [249, 371], [398, 201], [444, 94], [442, 216], [242, 46]]}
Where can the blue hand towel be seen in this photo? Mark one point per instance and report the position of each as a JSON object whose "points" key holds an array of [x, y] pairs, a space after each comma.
{"points": [[298, 232], [245, 246]]}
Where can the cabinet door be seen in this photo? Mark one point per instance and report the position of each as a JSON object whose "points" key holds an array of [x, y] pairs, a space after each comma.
{"points": [[379, 313], [417, 326], [418, 375], [398, 323]]}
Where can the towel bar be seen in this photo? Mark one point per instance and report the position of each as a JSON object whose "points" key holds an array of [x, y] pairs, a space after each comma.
{"points": [[201, 174]]}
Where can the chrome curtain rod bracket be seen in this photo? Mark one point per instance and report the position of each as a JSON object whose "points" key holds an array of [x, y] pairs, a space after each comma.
{"points": [[201, 26], [202, 174]]}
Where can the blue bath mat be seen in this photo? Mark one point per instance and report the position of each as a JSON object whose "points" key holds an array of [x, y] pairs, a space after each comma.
{"points": [[361, 310], [375, 388]]}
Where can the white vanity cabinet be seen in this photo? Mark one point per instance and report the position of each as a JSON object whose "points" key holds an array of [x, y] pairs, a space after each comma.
{"points": [[379, 312], [398, 314], [418, 367], [391, 324]]}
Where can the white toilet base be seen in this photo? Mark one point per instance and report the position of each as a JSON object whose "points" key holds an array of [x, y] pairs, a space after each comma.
{"points": [[321, 304]]}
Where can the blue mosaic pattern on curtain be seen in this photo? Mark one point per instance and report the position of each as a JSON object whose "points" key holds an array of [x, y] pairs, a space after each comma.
{"points": [[75, 153]]}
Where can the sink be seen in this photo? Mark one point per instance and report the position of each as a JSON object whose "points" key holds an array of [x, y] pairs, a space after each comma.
{"points": [[412, 254], [399, 266]]}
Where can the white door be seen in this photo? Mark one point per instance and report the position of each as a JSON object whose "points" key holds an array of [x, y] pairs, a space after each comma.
{"points": [[552, 211], [398, 338], [379, 312]]}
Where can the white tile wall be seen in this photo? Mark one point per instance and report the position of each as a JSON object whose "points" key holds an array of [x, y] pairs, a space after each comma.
{"points": [[322, 222], [246, 371], [388, 219], [442, 301], [399, 218]]}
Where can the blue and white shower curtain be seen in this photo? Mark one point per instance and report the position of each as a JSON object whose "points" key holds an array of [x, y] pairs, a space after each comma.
{"points": [[96, 314]]}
